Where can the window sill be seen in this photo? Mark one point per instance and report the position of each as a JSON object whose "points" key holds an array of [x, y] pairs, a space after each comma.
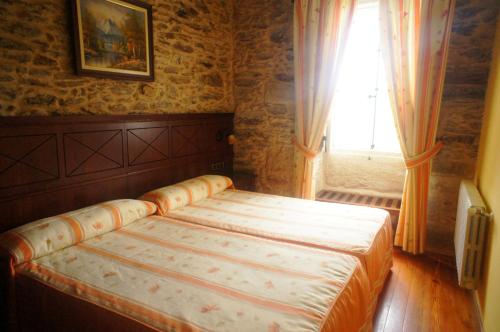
{"points": [[365, 153]]}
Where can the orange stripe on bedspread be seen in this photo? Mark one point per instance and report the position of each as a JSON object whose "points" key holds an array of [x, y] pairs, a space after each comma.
{"points": [[307, 215], [188, 191], [85, 291], [158, 198], [280, 208], [277, 306], [15, 240], [150, 207], [204, 252], [229, 183], [242, 235], [75, 227], [209, 185], [117, 218], [267, 235], [253, 216]]}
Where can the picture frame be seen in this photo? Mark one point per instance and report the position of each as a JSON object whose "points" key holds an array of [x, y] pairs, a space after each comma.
{"points": [[113, 39]]}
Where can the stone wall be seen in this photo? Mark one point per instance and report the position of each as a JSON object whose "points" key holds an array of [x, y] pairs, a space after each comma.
{"points": [[193, 62], [461, 115], [264, 97]]}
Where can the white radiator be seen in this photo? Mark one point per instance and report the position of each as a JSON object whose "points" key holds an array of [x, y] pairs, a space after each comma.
{"points": [[470, 234]]}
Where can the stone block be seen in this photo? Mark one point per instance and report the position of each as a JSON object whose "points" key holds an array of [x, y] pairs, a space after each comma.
{"points": [[279, 92]]}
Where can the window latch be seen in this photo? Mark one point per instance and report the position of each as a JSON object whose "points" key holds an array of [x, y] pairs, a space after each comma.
{"points": [[323, 144]]}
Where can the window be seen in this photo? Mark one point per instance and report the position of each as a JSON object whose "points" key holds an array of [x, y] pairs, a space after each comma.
{"points": [[361, 117]]}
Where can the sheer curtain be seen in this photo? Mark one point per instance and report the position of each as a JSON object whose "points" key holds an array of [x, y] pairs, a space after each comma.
{"points": [[414, 39], [320, 33]]}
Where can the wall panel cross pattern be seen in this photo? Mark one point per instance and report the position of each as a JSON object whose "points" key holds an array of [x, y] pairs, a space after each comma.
{"points": [[49, 165]]}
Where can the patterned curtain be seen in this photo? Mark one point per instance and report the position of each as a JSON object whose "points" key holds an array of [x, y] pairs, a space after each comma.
{"points": [[320, 34], [415, 37]]}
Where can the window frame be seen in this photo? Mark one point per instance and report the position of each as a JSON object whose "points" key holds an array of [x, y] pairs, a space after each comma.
{"points": [[328, 144]]}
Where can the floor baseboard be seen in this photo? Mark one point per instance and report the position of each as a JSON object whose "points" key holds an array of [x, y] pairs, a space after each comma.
{"points": [[477, 305], [443, 259]]}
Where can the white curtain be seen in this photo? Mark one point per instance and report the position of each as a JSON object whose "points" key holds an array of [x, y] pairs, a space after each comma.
{"points": [[415, 37], [320, 34]]}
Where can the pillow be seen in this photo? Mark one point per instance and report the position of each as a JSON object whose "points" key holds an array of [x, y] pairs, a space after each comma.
{"points": [[187, 192], [44, 236]]}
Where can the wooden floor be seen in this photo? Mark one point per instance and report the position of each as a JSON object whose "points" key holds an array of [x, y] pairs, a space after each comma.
{"points": [[422, 295]]}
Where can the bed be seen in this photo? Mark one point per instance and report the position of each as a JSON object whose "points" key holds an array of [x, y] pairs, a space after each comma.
{"points": [[363, 232], [116, 266], [62, 164]]}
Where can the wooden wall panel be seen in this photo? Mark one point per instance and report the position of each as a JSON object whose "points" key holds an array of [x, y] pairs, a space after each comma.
{"points": [[52, 165], [28, 159], [148, 144], [187, 140], [92, 151]]}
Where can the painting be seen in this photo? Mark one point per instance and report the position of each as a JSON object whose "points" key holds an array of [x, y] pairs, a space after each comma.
{"points": [[113, 38]]}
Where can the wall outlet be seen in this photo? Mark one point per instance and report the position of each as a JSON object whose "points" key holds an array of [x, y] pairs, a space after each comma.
{"points": [[217, 166]]}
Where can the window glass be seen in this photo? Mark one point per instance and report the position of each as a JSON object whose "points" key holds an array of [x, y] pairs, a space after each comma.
{"points": [[361, 117]]}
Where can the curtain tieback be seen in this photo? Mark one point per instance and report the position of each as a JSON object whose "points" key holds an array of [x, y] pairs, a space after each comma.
{"points": [[308, 153], [423, 157]]}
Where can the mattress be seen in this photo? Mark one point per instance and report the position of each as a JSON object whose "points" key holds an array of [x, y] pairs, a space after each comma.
{"points": [[360, 231], [165, 274]]}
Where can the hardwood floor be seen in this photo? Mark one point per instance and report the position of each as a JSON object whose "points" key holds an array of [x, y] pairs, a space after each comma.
{"points": [[422, 295]]}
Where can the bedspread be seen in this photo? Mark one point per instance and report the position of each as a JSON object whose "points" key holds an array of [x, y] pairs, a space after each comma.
{"points": [[361, 231], [172, 275]]}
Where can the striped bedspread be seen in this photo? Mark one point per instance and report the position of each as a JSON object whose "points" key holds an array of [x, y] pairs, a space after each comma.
{"points": [[361, 231], [177, 276]]}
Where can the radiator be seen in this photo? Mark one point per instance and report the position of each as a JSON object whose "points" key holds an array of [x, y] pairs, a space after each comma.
{"points": [[470, 233]]}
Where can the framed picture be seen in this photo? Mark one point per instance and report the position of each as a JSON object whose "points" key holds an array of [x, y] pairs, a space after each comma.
{"points": [[114, 39]]}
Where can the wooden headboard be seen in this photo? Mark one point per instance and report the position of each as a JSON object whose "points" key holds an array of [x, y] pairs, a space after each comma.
{"points": [[49, 165]]}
